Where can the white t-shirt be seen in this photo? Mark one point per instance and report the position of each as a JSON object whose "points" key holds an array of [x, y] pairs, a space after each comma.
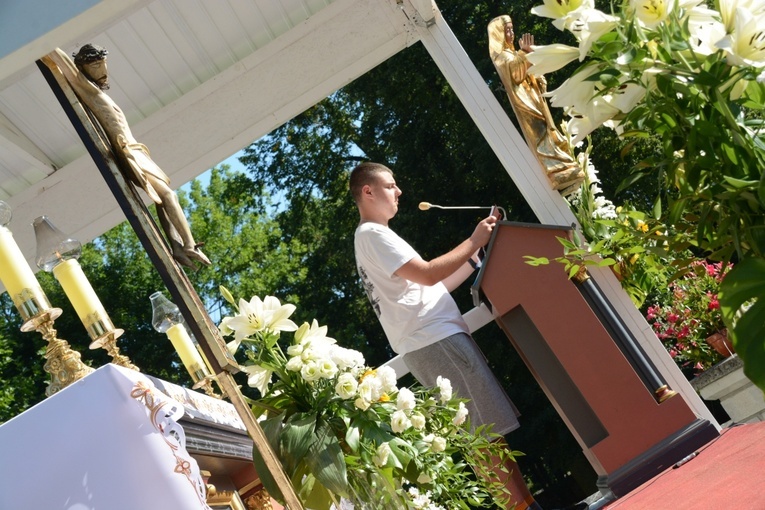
{"points": [[412, 315]]}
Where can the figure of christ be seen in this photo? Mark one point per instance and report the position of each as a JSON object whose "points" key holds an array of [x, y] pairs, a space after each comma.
{"points": [[526, 95], [88, 77]]}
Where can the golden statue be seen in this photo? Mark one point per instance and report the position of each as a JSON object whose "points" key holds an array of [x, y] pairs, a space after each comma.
{"points": [[526, 96], [88, 77]]}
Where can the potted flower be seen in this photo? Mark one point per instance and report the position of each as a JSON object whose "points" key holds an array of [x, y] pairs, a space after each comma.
{"points": [[687, 319], [343, 430]]}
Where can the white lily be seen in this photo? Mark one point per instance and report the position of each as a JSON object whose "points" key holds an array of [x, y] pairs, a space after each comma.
{"points": [[705, 36], [576, 91], [728, 10], [627, 96], [559, 10], [595, 114], [590, 25], [256, 316], [258, 377], [314, 334], [549, 58], [652, 12], [278, 315], [745, 45]]}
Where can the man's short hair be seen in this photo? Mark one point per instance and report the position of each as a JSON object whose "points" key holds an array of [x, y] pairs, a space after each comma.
{"points": [[89, 53], [365, 173]]}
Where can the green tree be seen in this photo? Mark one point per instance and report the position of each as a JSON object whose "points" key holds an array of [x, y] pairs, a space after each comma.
{"points": [[251, 258]]}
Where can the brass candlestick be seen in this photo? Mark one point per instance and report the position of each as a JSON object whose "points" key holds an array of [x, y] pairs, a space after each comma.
{"points": [[63, 364]]}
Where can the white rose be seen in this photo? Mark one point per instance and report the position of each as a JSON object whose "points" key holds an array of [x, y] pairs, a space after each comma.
{"points": [[399, 422], [361, 403], [294, 364], [438, 444], [461, 415], [444, 388], [387, 378], [310, 371], [346, 386], [327, 368], [405, 400], [418, 421]]}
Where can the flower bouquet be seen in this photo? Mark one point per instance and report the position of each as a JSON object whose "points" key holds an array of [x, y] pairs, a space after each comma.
{"points": [[343, 430], [691, 315]]}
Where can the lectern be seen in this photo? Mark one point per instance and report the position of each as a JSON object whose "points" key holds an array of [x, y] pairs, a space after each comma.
{"points": [[630, 425]]}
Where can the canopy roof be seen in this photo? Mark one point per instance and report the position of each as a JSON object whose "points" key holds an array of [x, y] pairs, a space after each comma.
{"points": [[197, 80]]}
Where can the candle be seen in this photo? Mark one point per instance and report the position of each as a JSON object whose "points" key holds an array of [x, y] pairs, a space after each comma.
{"points": [[79, 291], [15, 273], [186, 350]]}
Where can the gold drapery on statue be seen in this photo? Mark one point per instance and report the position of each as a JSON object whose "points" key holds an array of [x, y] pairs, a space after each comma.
{"points": [[526, 97]]}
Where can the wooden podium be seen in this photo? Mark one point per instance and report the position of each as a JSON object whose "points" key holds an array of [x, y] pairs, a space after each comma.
{"points": [[588, 364]]}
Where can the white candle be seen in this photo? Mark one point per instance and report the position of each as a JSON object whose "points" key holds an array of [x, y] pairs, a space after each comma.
{"points": [[15, 272], [79, 291], [186, 350]]}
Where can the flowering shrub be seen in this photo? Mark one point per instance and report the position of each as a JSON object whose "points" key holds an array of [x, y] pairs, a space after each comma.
{"points": [[691, 315], [345, 430], [692, 76]]}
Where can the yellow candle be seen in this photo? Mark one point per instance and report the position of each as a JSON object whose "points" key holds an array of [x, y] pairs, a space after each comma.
{"points": [[186, 350], [15, 272], [79, 291]]}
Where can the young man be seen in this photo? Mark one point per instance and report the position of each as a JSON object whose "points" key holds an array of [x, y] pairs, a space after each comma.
{"points": [[421, 320]]}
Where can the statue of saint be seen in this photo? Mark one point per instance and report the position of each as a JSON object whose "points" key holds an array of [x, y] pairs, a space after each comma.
{"points": [[526, 95], [88, 77]]}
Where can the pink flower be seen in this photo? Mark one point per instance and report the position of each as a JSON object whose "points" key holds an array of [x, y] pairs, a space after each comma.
{"points": [[672, 318]]}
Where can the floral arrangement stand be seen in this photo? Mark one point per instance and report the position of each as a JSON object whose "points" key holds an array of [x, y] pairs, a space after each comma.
{"points": [[742, 400], [595, 384], [109, 440]]}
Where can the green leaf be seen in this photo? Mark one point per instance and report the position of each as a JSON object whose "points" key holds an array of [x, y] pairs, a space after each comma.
{"points": [[296, 438], [536, 261], [745, 285], [272, 429], [327, 463]]}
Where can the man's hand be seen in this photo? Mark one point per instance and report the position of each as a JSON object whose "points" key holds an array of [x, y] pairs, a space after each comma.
{"points": [[482, 232]]}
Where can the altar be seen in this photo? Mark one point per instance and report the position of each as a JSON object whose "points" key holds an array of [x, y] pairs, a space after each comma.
{"points": [[113, 440]]}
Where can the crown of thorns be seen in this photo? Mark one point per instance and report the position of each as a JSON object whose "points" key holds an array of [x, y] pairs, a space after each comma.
{"points": [[89, 53]]}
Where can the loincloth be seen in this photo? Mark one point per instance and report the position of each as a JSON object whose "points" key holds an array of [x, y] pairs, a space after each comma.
{"points": [[140, 162]]}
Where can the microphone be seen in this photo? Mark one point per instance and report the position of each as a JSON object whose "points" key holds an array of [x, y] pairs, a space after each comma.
{"points": [[497, 211], [424, 206]]}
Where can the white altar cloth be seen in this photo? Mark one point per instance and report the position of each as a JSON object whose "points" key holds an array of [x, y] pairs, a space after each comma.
{"points": [[93, 446]]}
